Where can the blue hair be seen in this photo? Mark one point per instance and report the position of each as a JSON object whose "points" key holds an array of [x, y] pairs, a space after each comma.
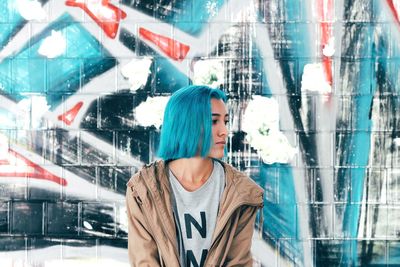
{"points": [[186, 128]]}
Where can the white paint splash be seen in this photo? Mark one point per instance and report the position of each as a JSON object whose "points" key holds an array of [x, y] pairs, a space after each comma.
{"points": [[33, 108], [122, 213], [98, 9], [211, 8], [151, 112], [11, 163], [261, 107], [53, 45], [3, 147], [137, 72], [396, 142], [329, 48], [31, 10], [261, 123], [208, 72], [314, 79], [396, 4], [87, 225]]}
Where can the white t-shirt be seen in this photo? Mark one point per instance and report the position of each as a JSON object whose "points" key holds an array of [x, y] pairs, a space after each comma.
{"points": [[195, 216]]}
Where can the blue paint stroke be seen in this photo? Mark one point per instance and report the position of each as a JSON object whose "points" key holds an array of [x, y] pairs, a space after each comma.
{"points": [[194, 15], [280, 211], [10, 21], [360, 144], [167, 78], [284, 218], [393, 253], [29, 72], [388, 49]]}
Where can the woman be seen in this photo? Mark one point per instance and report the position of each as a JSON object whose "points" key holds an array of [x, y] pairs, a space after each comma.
{"points": [[190, 208]]}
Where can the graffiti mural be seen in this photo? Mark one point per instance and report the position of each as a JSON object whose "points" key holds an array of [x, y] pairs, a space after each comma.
{"points": [[313, 101]]}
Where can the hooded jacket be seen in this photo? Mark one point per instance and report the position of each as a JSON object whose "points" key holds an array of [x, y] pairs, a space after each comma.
{"points": [[152, 239]]}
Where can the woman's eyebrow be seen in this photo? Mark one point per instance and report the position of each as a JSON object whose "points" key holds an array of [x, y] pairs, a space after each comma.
{"points": [[217, 114]]}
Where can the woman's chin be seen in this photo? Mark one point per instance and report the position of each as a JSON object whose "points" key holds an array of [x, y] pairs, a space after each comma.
{"points": [[216, 154]]}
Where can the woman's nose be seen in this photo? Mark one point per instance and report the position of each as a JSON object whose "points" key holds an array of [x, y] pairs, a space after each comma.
{"points": [[223, 130]]}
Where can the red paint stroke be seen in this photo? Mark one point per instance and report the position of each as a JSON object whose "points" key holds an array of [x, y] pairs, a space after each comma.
{"points": [[393, 9], [325, 14], [173, 49], [69, 116], [106, 15], [327, 64], [37, 173]]}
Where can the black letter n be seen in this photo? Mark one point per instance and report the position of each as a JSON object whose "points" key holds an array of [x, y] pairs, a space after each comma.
{"points": [[189, 220], [191, 259]]}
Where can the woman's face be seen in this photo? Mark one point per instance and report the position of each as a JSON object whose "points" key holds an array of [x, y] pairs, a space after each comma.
{"points": [[220, 120]]}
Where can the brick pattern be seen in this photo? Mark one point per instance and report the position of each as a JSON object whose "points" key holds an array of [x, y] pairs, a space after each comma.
{"points": [[70, 137]]}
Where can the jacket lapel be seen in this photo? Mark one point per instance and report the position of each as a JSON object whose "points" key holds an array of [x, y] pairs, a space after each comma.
{"points": [[157, 182], [239, 191], [151, 188]]}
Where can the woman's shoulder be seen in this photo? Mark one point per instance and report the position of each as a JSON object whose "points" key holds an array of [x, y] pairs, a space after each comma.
{"points": [[147, 170], [241, 179]]}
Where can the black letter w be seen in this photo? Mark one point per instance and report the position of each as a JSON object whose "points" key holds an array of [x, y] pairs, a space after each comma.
{"points": [[189, 220]]}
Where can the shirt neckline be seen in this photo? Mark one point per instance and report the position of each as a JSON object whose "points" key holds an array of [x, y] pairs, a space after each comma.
{"points": [[205, 185]]}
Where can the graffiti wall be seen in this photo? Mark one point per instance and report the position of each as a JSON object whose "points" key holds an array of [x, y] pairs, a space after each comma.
{"points": [[314, 110]]}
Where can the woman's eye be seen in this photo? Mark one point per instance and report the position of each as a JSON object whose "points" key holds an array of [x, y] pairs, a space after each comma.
{"points": [[226, 122], [214, 121]]}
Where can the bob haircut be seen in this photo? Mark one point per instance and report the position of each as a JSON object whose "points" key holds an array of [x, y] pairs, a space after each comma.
{"points": [[186, 129]]}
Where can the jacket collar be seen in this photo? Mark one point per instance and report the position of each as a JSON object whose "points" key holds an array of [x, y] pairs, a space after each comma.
{"points": [[155, 178], [239, 188]]}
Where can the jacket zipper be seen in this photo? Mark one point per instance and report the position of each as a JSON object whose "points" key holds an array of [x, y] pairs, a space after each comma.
{"points": [[162, 225], [224, 224]]}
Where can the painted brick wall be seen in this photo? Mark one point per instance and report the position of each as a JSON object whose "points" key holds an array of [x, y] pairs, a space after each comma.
{"points": [[314, 118]]}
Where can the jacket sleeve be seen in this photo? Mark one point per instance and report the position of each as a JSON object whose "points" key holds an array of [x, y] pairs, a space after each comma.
{"points": [[142, 248], [239, 253]]}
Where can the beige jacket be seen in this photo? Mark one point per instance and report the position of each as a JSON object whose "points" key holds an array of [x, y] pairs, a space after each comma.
{"points": [[152, 237]]}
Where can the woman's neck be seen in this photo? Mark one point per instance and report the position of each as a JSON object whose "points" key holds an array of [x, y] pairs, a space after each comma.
{"points": [[192, 173]]}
